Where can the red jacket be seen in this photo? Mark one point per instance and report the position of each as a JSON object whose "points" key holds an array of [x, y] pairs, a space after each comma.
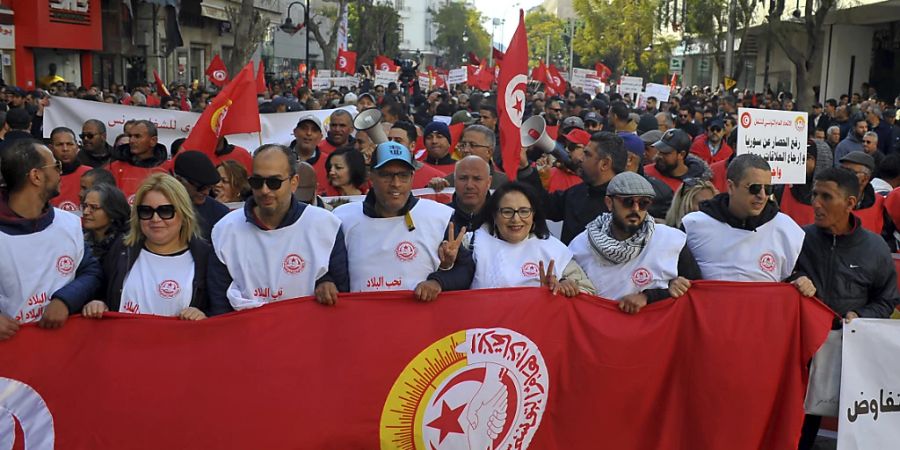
{"points": [[797, 210], [239, 154], [560, 180], [69, 198], [700, 149], [129, 177]]}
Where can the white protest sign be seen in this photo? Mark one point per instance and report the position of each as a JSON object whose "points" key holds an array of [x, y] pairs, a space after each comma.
{"points": [[386, 77], [319, 83], [424, 82], [660, 91], [586, 79], [631, 85], [458, 76], [869, 412], [779, 137], [72, 113]]}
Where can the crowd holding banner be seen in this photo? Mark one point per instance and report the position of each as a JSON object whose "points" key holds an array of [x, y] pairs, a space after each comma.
{"points": [[688, 223]]}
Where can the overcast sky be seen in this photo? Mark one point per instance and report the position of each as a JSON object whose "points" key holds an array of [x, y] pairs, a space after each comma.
{"points": [[503, 9]]}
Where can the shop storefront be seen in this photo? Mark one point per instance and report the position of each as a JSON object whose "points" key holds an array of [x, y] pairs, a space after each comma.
{"points": [[61, 33]]}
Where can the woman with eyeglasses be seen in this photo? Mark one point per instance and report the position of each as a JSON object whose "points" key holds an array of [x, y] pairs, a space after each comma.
{"points": [[346, 168], [104, 217], [159, 268], [514, 246], [687, 199]]}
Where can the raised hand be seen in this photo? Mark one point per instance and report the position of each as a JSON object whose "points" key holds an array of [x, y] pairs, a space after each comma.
{"points": [[450, 248]]}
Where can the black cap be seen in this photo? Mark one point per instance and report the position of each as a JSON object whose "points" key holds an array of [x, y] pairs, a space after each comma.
{"points": [[196, 167], [592, 117], [674, 140]]}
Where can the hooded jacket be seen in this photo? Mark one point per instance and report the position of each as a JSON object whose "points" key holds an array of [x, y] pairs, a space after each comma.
{"points": [[717, 208]]}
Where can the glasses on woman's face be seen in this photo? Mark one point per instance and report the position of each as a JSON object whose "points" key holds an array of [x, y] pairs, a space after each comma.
{"points": [[165, 212], [273, 183], [89, 207], [523, 213]]}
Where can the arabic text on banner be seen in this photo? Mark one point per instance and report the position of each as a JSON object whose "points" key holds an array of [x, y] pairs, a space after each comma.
{"points": [[777, 136]]}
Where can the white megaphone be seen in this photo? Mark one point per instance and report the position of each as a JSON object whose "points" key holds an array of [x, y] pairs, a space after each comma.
{"points": [[534, 133], [370, 122]]}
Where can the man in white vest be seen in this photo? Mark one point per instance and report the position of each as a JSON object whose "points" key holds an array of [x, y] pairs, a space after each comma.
{"points": [[276, 247], [396, 241], [740, 235], [46, 271], [627, 256]]}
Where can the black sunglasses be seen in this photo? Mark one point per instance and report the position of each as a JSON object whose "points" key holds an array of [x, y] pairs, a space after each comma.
{"points": [[755, 189], [642, 202], [87, 135], [273, 183], [165, 212]]}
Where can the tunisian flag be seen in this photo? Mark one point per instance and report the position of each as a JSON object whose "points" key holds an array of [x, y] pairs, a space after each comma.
{"points": [[511, 85], [233, 111], [555, 79], [216, 72], [161, 88], [603, 72], [480, 76], [384, 63], [723, 367], [346, 62]]}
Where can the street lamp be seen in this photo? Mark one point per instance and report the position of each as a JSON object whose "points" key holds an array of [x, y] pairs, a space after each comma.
{"points": [[288, 27]]}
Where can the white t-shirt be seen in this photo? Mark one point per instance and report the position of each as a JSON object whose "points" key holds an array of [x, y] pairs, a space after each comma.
{"points": [[159, 285], [501, 264]]}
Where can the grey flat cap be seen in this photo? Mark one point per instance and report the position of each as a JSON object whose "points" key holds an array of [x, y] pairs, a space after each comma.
{"points": [[630, 184]]}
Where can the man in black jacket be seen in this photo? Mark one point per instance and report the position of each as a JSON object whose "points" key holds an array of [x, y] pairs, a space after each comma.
{"points": [[851, 267]]}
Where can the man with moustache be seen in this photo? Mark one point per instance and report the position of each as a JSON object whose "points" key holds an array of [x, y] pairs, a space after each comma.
{"points": [[674, 162]]}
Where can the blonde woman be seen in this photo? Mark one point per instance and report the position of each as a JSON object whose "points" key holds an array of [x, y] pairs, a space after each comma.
{"points": [[687, 199], [159, 268]]}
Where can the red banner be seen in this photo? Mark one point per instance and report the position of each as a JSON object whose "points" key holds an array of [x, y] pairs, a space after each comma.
{"points": [[722, 367]]}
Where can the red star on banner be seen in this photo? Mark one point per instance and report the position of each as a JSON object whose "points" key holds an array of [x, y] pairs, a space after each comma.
{"points": [[448, 421], [518, 105]]}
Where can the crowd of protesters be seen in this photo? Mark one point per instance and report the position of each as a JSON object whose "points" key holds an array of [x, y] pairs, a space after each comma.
{"points": [[650, 197]]}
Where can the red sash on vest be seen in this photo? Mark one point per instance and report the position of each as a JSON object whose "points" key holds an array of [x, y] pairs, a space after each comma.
{"points": [[674, 183], [69, 198], [800, 212], [872, 217]]}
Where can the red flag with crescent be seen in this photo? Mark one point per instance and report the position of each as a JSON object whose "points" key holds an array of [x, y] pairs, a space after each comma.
{"points": [[346, 62], [384, 63], [216, 72], [511, 85], [233, 111], [603, 72]]}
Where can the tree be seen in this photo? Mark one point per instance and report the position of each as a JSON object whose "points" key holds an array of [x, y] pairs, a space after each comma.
{"points": [[459, 31], [373, 29], [316, 23], [805, 54], [622, 34], [706, 21], [540, 25], [249, 31]]}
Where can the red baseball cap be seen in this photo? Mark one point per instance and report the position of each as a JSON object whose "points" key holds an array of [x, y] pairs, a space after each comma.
{"points": [[579, 136]]}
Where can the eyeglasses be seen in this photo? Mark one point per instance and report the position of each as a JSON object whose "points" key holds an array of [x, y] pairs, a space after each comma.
{"points": [[868, 141], [755, 189], [464, 144], [273, 183], [87, 135], [629, 202], [508, 213], [87, 206], [165, 212], [57, 164], [715, 129], [404, 176], [683, 116]]}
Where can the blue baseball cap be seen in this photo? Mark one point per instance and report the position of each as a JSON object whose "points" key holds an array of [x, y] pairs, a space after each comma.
{"points": [[392, 151]]}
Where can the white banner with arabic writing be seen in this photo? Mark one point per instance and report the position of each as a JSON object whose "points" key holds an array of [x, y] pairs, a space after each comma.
{"points": [[277, 128], [869, 410], [777, 136]]}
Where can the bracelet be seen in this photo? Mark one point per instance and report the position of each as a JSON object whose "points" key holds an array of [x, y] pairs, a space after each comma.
{"points": [[449, 268]]}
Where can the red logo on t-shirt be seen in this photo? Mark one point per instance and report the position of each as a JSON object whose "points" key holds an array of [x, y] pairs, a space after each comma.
{"points": [[406, 251], [293, 264], [169, 289], [641, 277], [767, 262], [530, 270], [68, 206], [65, 265]]}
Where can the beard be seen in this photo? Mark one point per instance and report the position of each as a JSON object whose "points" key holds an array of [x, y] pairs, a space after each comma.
{"points": [[665, 169], [628, 228]]}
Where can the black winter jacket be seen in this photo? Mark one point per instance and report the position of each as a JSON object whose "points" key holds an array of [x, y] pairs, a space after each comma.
{"points": [[853, 272]]}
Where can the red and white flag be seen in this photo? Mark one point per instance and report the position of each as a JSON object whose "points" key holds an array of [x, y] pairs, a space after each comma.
{"points": [[232, 111], [603, 72], [216, 72], [556, 80], [346, 62], [386, 64], [160, 86], [511, 86]]}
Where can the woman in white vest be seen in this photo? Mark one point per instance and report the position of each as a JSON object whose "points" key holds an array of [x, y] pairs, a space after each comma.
{"points": [[630, 258], [514, 247], [159, 268]]}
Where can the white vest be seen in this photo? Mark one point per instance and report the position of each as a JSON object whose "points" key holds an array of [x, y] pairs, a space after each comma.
{"points": [[273, 265], [500, 264], [384, 255], [158, 285], [653, 268], [34, 266], [731, 254]]}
